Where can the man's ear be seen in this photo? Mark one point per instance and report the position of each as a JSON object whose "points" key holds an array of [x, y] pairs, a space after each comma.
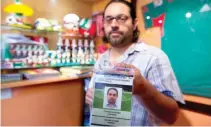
{"points": [[135, 24]]}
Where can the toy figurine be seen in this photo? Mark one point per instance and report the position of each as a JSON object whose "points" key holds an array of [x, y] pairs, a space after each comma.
{"points": [[12, 50], [40, 50], [71, 23], [67, 45], [18, 51], [24, 50], [92, 51], [86, 51], [80, 56], [87, 27], [60, 45], [29, 49], [74, 51], [18, 14], [42, 24], [67, 49], [35, 50]]}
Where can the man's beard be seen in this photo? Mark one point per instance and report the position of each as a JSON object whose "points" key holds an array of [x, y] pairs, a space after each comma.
{"points": [[122, 39]]}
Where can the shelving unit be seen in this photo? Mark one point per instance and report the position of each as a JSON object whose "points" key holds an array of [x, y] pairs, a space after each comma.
{"points": [[56, 66], [5, 27], [14, 69]]}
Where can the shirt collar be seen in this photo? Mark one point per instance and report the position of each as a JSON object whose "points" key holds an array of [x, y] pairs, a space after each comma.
{"points": [[135, 47]]}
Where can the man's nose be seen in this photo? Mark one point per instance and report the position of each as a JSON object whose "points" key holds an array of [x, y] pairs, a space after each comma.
{"points": [[114, 24]]}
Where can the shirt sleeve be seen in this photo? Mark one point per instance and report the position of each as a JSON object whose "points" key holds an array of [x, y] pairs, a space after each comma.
{"points": [[162, 77]]}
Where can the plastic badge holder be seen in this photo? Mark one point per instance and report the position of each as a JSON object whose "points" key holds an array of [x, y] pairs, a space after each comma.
{"points": [[112, 97]]}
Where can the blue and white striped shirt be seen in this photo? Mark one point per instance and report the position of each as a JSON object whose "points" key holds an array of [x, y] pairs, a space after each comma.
{"points": [[154, 65]]}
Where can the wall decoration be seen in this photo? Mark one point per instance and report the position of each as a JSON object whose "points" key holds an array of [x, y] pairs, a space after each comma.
{"points": [[154, 14], [99, 23]]}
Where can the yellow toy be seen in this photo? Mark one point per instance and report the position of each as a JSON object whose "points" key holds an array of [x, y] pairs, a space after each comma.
{"points": [[18, 13]]}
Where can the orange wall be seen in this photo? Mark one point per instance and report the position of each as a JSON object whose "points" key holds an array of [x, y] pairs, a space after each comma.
{"points": [[99, 6]]}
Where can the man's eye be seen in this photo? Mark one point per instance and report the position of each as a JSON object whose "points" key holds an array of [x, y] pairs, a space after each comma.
{"points": [[108, 18], [123, 18]]}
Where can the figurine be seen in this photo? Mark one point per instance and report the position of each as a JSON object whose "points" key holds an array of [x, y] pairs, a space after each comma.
{"points": [[74, 51], [87, 27], [92, 51], [60, 45], [19, 12], [18, 51], [80, 56], [42, 24], [67, 48], [71, 23], [86, 51], [24, 50]]}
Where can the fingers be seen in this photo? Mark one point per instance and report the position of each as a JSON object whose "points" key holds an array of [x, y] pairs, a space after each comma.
{"points": [[124, 65], [88, 101], [89, 96], [127, 66]]}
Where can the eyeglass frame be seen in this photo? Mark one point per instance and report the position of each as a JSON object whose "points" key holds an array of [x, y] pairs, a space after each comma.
{"points": [[117, 18]]}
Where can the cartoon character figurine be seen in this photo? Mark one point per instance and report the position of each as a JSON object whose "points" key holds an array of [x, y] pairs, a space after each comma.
{"points": [[19, 13], [74, 51], [71, 23], [86, 51], [42, 24], [80, 58], [92, 51], [67, 50], [87, 27]]}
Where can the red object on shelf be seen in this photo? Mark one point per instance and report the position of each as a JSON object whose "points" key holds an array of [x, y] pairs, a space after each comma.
{"points": [[37, 38]]}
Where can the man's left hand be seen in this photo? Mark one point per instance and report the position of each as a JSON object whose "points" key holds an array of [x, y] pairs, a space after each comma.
{"points": [[138, 78]]}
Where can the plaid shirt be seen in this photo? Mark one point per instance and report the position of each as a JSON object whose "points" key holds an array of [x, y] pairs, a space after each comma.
{"points": [[154, 65]]}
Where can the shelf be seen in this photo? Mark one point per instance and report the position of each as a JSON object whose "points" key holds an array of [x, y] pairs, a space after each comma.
{"points": [[13, 28], [45, 81], [76, 37], [56, 66]]}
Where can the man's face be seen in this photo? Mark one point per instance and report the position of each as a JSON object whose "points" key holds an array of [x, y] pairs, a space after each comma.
{"points": [[112, 96], [119, 31]]}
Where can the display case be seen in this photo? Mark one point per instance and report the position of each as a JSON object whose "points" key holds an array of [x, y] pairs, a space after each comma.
{"points": [[26, 51]]}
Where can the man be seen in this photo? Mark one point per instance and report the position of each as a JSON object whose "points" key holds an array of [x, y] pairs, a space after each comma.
{"points": [[112, 95], [155, 88]]}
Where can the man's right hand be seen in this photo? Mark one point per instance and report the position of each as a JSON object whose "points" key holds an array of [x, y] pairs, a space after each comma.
{"points": [[89, 96]]}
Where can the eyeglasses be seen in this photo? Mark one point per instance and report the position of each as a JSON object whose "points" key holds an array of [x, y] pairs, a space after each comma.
{"points": [[121, 19]]}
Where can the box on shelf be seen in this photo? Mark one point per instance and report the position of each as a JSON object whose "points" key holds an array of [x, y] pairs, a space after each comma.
{"points": [[11, 77], [39, 73]]}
